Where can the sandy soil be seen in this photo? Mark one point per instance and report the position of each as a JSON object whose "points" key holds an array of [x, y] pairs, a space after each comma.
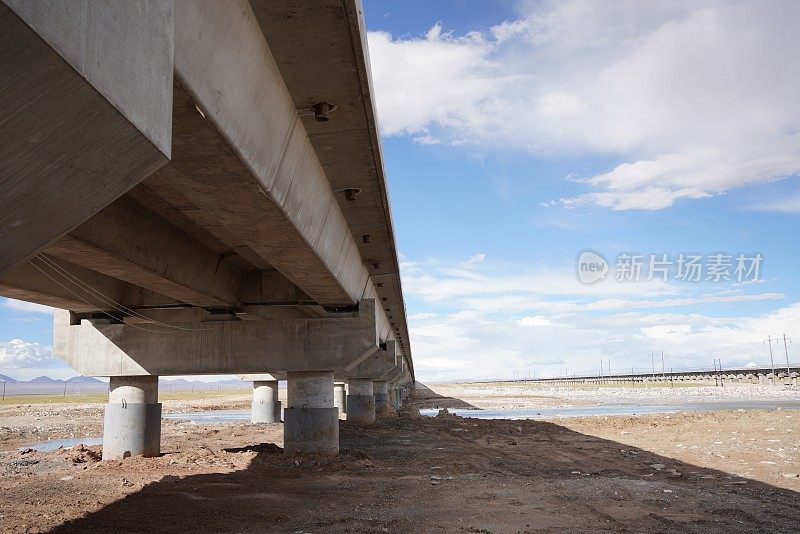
{"points": [[726, 471]]}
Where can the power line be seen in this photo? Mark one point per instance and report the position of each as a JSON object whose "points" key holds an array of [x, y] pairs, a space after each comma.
{"points": [[107, 300], [91, 304]]}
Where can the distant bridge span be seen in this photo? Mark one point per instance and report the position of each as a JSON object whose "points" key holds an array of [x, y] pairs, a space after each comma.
{"points": [[709, 375]]}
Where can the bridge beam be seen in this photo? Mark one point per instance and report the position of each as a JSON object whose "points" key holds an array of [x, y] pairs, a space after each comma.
{"points": [[275, 198], [376, 367], [85, 100], [224, 347], [128, 242]]}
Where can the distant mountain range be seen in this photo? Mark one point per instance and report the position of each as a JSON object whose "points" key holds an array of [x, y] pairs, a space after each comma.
{"points": [[184, 382], [178, 383], [84, 380], [47, 380]]}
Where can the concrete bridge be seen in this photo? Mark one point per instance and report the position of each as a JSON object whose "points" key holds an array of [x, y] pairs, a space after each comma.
{"points": [[198, 186]]}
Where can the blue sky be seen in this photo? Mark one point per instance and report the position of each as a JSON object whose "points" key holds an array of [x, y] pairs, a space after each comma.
{"points": [[518, 134], [506, 172]]}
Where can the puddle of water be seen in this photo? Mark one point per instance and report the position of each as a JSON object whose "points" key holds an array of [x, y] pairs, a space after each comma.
{"points": [[211, 416], [229, 416], [53, 444], [631, 409]]}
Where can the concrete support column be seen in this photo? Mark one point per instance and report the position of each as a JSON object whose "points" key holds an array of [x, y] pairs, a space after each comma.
{"points": [[381, 392], [360, 401], [310, 420], [340, 398], [132, 424], [266, 407]]}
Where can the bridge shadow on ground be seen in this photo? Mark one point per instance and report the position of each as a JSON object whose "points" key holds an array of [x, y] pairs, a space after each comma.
{"points": [[448, 474], [425, 397]]}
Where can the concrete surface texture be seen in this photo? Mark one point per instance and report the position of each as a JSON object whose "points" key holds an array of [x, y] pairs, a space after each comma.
{"points": [[74, 149], [132, 423], [311, 422], [218, 347], [340, 398], [265, 408]]}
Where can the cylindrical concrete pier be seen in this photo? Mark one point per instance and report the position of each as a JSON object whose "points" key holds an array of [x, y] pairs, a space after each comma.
{"points": [[132, 423], [310, 420], [360, 401], [266, 407], [381, 392], [339, 398]]}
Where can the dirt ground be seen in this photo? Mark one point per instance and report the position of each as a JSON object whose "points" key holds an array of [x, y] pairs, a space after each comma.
{"points": [[725, 471]]}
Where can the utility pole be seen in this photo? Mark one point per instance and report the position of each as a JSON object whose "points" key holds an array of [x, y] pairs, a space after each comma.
{"points": [[663, 374], [786, 350], [653, 362], [771, 361], [714, 374]]}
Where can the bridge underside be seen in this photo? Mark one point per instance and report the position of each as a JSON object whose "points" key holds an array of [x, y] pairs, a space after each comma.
{"points": [[169, 185]]}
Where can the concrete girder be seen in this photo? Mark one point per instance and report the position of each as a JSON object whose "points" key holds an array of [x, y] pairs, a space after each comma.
{"points": [[36, 281], [375, 366], [281, 345], [128, 242], [275, 195], [348, 146], [393, 374], [275, 198], [262, 377], [84, 119], [51, 282]]}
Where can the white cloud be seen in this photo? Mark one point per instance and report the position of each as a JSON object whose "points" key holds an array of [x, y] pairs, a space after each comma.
{"points": [[22, 306], [788, 204], [511, 286], [697, 98], [421, 316], [22, 354], [498, 318], [477, 258], [430, 61], [535, 320]]}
